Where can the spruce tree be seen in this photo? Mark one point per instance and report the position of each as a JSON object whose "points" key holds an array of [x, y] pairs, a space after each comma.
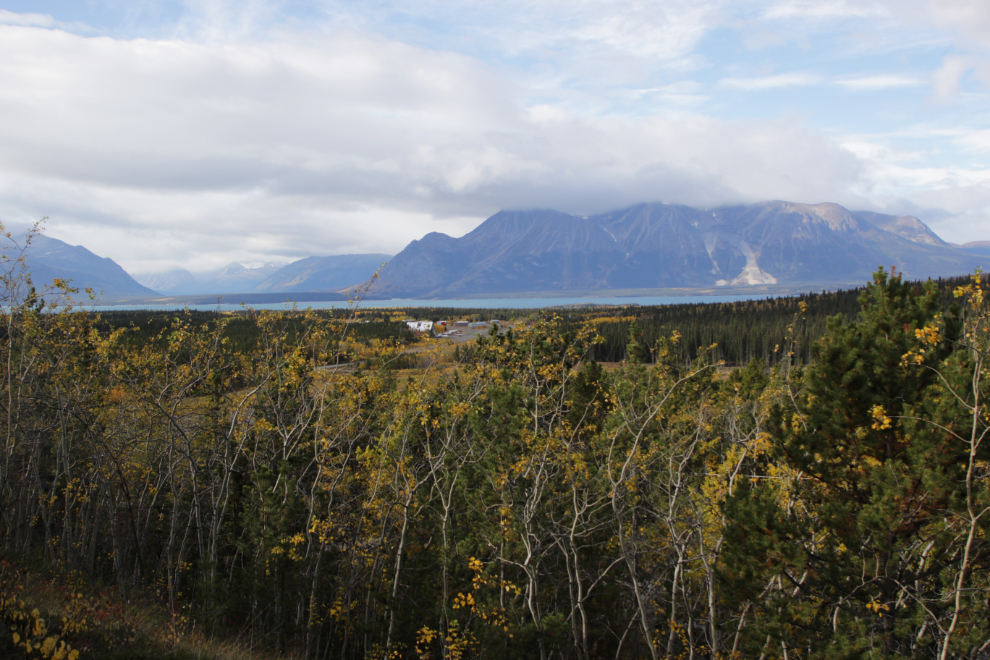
{"points": [[636, 352], [840, 550]]}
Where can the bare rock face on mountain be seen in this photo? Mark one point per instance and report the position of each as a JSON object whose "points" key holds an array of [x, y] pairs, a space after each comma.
{"points": [[905, 226], [797, 243], [659, 246]]}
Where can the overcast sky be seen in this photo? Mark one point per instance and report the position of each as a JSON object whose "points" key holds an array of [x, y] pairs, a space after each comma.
{"points": [[192, 133]]}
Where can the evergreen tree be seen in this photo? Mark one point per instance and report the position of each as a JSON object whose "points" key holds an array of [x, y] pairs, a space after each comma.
{"points": [[842, 549], [635, 351]]}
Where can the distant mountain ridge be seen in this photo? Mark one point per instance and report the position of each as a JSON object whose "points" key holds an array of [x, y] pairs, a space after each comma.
{"points": [[976, 247], [662, 246], [49, 258], [232, 278], [311, 274], [647, 246]]}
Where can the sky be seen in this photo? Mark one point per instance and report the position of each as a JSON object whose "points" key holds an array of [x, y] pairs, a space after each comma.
{"points": [[193, 133]]}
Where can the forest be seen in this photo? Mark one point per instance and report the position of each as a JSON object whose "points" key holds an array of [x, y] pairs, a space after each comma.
{"points": [[800, 478]]}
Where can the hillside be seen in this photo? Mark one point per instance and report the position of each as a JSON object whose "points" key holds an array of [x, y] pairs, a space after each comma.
{"points": [[49, 258]]}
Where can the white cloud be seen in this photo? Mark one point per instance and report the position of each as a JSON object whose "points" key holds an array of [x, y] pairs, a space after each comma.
{"points": [[664, 31], [970, 17], [945, 81], [245, 136], [11, 18], [825, 9], [770, 82], [153, 150], [872, 149], [878, 82], [977, 141], [963, 25], [660, 30], [953, 200], [223, 20]]}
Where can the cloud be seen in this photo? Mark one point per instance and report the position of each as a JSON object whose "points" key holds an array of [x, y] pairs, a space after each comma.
{"points": [[825, 9], [953, 199], [871, 83], [11, 18], [223, 20], [969, 17], [665, 31], [976, 140], [660, 30], [242, 135], [169, 152], [770, 82], [945, 81]]}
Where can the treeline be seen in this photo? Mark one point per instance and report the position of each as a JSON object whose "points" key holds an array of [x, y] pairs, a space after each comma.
{"points": [[241, 330], [462, 313], [739, 331], [529, 504]]}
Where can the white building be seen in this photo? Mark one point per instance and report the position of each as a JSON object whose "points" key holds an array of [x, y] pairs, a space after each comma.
{"points": [[420, 326]]}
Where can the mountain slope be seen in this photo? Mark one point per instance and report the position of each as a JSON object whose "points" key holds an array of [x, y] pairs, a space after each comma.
{"points": [[812, 243], [518, 248], [976, 247], [511, 251], [801, 242], [660, 245], [178, 279], [49, 258], [905, 226], [324, 273]]}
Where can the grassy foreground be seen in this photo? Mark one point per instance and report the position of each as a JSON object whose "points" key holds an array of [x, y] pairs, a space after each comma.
{"points": [[64, 617]]}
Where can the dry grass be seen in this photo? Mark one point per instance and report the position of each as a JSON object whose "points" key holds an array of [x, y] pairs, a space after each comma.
{"points": [[102, 624]]}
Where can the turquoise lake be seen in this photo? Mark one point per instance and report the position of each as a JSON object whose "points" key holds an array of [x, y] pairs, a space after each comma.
{"points": [[481, 303]]}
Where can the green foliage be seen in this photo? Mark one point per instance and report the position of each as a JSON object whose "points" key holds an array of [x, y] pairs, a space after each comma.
{"points": [[849, 552], [828, 499]]}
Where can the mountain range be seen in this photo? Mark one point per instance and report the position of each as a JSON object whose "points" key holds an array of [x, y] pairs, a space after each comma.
{"points": [[976, 247], [232, 278], [311, 274], [771, 245], [649, 246]]}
